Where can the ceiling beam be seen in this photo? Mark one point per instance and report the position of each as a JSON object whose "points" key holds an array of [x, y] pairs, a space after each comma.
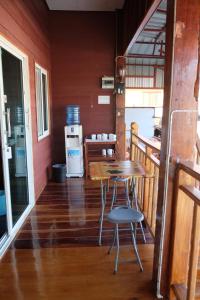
{"points": [[161, 11], [147, 17], [154, 30], [149, 43], [146, 56], [156, 39], [145, 65]]}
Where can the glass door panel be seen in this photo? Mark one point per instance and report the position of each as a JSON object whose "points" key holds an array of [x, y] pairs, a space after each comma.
{"points": [[3, 210], [15, 125]]}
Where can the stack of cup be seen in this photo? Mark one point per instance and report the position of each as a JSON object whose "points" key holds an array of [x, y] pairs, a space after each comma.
{"points": [[104, 136], [112, 137]]}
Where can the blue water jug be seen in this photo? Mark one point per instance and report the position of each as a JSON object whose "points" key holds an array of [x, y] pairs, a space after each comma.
{"points": [[73, 115]]}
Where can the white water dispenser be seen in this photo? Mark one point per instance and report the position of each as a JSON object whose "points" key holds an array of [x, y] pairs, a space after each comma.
{"points": [[74, 150]]}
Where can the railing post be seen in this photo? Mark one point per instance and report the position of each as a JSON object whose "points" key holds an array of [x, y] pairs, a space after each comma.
{"points": [[134, 140], [181, 228], [194, 254], [147, 183], [146, 188]]}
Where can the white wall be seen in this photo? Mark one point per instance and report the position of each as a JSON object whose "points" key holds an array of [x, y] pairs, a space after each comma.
{"points": [[143, 117]]}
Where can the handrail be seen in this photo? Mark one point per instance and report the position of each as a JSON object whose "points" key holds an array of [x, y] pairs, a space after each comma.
{"points": [[147, 142], [151, 157], [185, 233], [191, 169]]}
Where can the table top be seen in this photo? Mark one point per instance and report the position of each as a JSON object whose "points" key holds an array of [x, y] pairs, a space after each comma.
{"points": [[106, 170]]}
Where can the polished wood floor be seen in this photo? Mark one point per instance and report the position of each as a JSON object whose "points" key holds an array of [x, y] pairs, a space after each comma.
{"points": [[56, 255]]}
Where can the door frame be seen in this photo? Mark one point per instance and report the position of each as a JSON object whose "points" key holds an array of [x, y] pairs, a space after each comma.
{"points": [[12, 230]]}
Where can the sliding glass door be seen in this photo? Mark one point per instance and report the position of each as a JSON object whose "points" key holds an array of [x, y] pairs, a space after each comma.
{"points": [[3, 210], [15, 127], [16, 144]]}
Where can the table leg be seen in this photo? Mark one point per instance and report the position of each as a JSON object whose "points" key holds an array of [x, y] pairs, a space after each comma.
{"points": [[103, 204], [134, 197]]}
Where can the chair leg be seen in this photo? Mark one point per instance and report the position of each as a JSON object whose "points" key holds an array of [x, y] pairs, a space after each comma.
{"points": [[101, 226], [117, 252], [108, 185], [134, 196], [114, 195], [113, 243], [143, 234], [135, 229], [103, 204], [135, 248], [127, 193]]}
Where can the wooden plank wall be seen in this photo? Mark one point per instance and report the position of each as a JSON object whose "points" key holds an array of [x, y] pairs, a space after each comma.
{"points": [[25, 24], [83, 50]]}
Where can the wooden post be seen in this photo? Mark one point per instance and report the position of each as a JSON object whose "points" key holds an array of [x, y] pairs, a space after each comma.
{"points": [[134, 129], [120, 126], [180, 77]]}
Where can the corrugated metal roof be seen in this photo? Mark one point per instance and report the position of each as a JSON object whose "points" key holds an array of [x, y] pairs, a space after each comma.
{"points": [[149, 48]]}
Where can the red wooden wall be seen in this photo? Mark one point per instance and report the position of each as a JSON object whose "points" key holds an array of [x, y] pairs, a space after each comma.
{"points": [[25, 24], [83, 50]]}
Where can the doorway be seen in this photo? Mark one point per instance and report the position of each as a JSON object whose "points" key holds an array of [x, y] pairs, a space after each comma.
{"points": [[16, 143]]}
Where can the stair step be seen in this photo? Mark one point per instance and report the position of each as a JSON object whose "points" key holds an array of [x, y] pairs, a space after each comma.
{"points": [[197, 291], [180, 291]]}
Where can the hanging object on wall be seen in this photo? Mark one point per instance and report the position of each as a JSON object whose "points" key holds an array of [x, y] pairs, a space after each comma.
{"points": [[107, 82], [120, 74], [120, 88]]}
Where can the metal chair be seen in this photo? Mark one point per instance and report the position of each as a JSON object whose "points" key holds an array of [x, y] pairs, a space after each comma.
{"points": [[124, 215], [115, 181], [104, 189], [125, 180]]}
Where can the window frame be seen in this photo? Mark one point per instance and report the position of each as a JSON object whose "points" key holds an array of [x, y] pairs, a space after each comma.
{"points": [[45, 133]]}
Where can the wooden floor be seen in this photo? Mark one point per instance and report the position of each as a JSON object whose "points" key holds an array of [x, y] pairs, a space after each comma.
{"points": [[56, 255]]}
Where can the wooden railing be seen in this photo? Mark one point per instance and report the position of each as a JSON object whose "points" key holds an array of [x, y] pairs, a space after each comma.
{"points": [[185, 271], [147, 153], [185, 259]]}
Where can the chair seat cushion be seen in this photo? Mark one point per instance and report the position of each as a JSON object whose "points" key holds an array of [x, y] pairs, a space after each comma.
{"points": [[124, 214]]}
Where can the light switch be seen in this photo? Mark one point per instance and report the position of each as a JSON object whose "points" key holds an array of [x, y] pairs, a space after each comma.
{"points": [[103, 99]]}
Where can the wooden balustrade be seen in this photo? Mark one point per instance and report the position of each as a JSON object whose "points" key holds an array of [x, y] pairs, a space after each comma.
{"points": [[146, 152], [185, 259], [185, 271]]}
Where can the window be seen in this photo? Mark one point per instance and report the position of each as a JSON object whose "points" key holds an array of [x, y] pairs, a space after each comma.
{"points": [[144, 98], [42, 102]]}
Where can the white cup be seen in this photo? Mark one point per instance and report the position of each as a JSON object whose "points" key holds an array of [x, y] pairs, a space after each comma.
{"points": [[93, 137], [110, 152], [104, 136], [110, 136], [99, 137], [104, 152], [114, 137]]}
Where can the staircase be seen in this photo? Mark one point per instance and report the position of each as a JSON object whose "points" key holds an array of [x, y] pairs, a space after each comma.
{"points": [[180, 290]]}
